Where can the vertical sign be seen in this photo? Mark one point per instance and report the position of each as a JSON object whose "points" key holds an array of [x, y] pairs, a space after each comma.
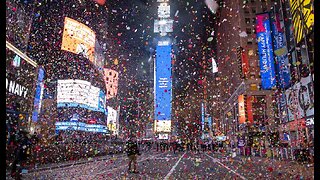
{"points": [[38, 95], [202, 116], [249, 109], [242, 115], [267, 70], [163, 83], [279, 44]]}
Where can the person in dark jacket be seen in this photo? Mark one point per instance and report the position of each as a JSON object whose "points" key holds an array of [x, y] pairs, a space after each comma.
{"points": [[22, 151], [132, 152]]}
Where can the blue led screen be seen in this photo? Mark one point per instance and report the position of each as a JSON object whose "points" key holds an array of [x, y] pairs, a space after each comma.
{"points": [[163, 83], [267, 69]]}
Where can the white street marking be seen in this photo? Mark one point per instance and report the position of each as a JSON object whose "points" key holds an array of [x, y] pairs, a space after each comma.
{"points": [[217, 161], [172, 169]]}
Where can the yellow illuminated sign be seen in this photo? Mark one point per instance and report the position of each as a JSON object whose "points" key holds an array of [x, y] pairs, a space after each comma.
{"points": [[302, 18]]}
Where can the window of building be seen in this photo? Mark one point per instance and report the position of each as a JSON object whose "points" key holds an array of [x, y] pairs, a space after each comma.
{"points": [[253, 20], [264, 9], [252, 74], [247, 20], [253, 10], [246, 11], [248, 30]]}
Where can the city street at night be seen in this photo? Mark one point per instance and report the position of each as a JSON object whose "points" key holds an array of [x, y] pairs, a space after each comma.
{"points": [[182, 165], [160, 89]]}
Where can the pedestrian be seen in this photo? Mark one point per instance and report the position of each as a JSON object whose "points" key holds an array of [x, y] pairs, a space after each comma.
{"points": [[22, 152], [132, 153]]}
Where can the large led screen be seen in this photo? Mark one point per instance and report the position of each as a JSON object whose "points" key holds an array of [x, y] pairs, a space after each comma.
{"points": [[282, 69], [163, 83], [80, 93], [38, 95], [112, 119], [267, 70], [78, 38]]}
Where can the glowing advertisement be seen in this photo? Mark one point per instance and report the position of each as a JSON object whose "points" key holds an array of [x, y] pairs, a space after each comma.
{"points": [[80, 93], [202, 116], [38, 95], [281, 68], [162, 126], [267, 69], [80, 126], [242, 114], [163, 83], [111, 81], [302, 18], [300, 99], [78, 38], [112, 119]]}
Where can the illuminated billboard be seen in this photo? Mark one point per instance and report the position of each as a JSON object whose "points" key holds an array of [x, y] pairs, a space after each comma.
{"points": [[163, 83], [80, 126], [267, 70], [302, 18], [300, 96], [281, 68], [112, 119], [80, 93], [38, 95], [78, 38], [111, 80], [162, 126], [242, 114]]}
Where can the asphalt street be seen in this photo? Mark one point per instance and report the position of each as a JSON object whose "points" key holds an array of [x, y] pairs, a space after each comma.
{"points": [[167, 166]]}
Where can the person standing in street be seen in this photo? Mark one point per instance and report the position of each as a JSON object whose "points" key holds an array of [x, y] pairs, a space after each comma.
{"points": [[22, 152], [132, 153]]}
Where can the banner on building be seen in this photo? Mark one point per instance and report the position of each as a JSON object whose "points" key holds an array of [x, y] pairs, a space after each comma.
{"points": [[78, 38], [282, 61], [267, 69], [163, 83], [300, 99], [302, 18], [242, 114]]}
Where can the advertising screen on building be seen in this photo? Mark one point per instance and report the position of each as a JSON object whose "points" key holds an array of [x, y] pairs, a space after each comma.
{"points": [[267, 69], [112, 119], [20, 81], [300, 96], [38, 95], [242, 115], [111, 80], [162, 126], [163, 83], [78, 38], [279, 43], [302, 18], [80, 126], [80, 93]]}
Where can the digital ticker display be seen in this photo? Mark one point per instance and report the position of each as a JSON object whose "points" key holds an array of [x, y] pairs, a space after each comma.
{"points": [[163, 83]]}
